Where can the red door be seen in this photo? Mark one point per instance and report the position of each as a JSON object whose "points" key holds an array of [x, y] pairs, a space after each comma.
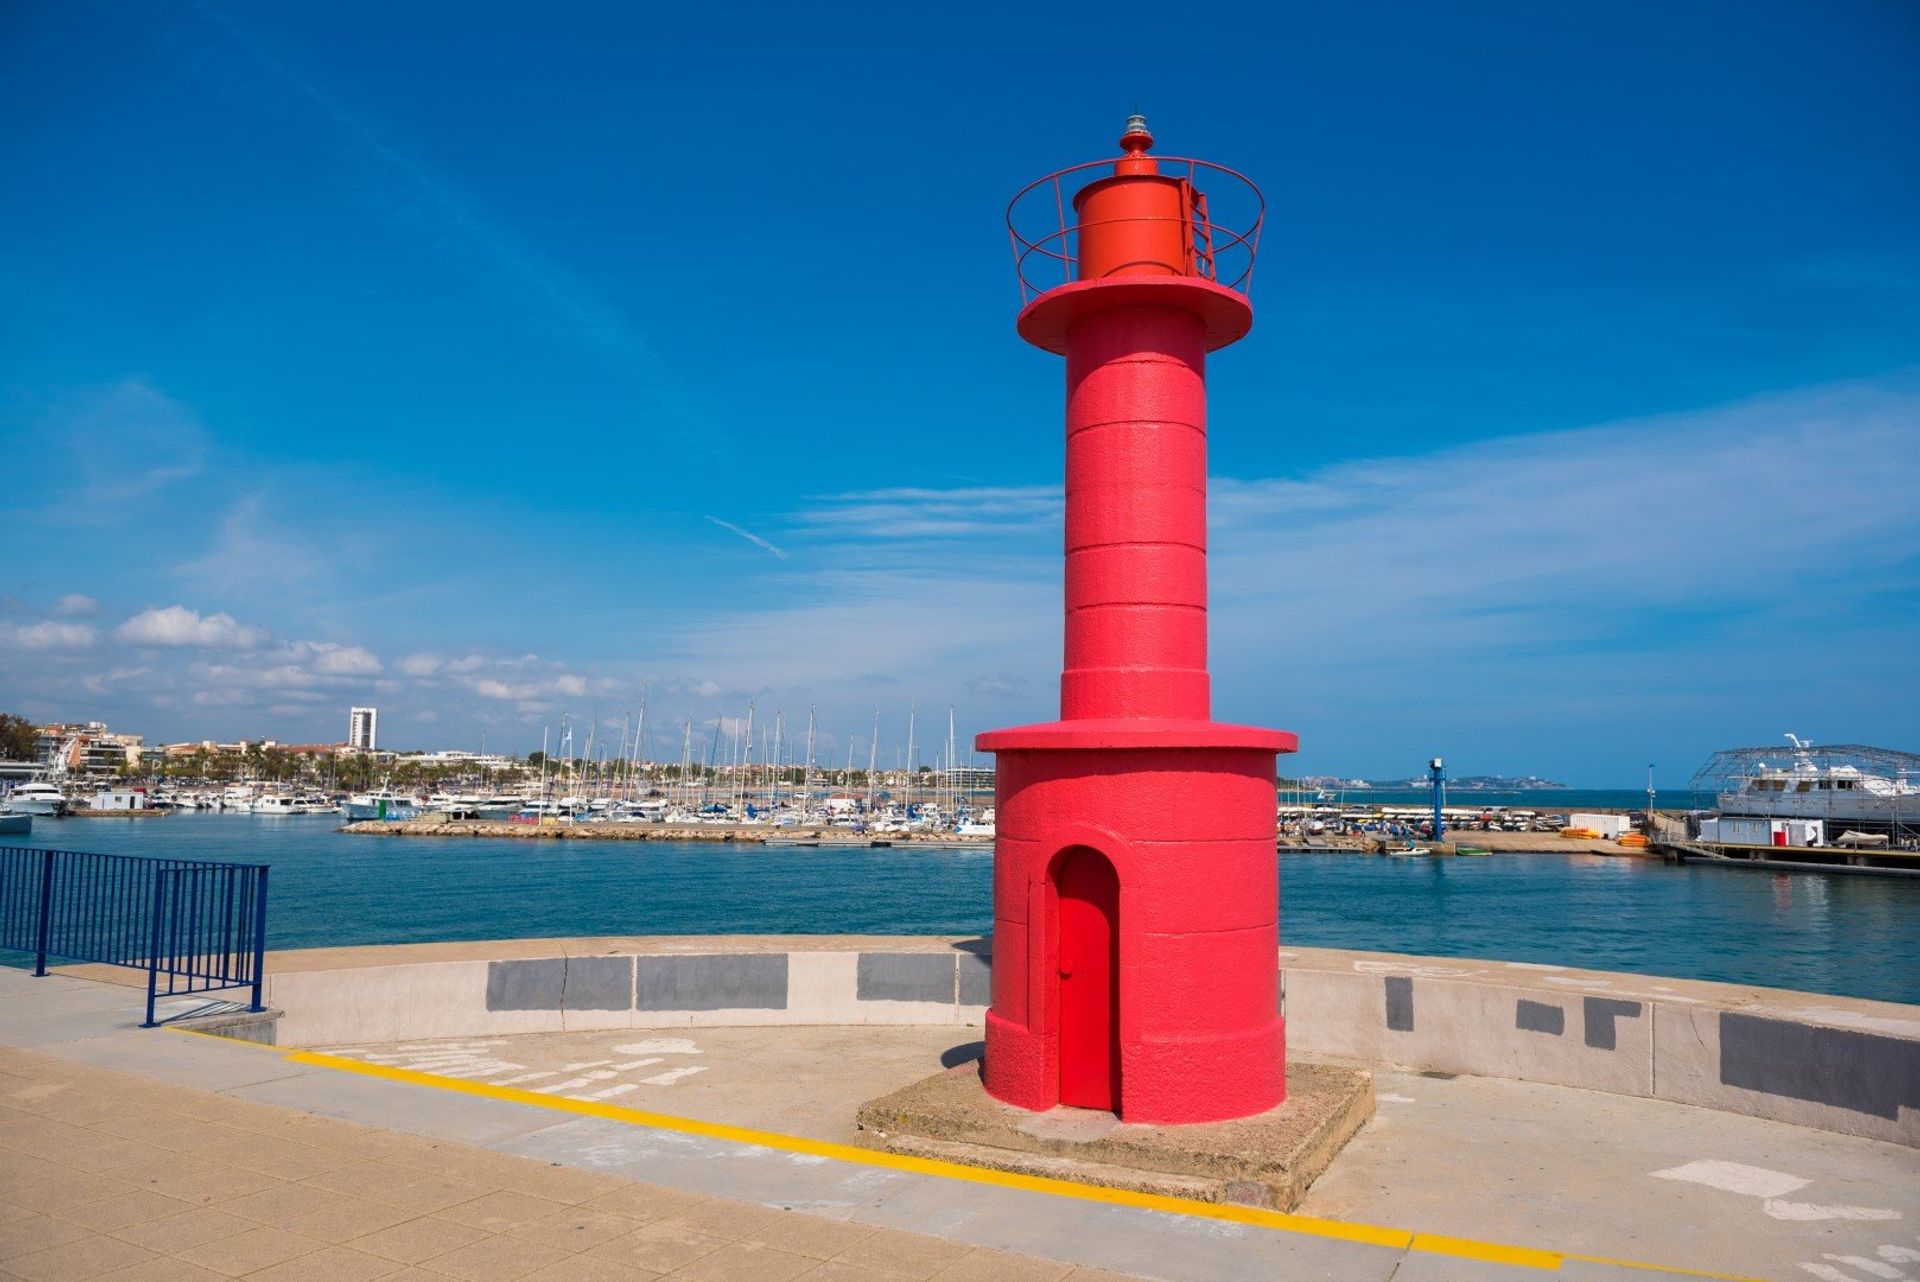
{"points": [[1089, 997]]}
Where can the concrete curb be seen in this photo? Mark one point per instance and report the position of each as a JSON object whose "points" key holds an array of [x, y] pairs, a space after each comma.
{"points": [[1832, 1063]]}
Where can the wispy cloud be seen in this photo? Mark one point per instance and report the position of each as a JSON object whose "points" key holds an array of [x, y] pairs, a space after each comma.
{"points": [[566, 302], [1661, 579], [75, 606], [750, 537], [105, 451]]}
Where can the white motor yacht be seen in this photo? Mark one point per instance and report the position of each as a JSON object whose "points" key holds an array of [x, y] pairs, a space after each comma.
{"points": [[384, 804], [37, 797]]}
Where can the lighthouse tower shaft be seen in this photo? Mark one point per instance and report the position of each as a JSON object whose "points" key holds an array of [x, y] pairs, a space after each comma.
{"points": [[1136, 516], [1136, 903]]}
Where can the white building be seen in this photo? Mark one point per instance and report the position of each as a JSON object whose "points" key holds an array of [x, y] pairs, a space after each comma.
{"points": [[363, 728]]}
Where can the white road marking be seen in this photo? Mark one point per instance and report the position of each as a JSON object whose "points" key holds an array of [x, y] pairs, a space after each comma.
{"points": [[567, 1085], [1781, 1210], [1900, 1254], [638, 1063], [1388, 1098], [613, 1092], [485, 1069], [585, 1063], [673, 1075], [1732, 1177], [1827, 1273], [659, 1046], [1873, 1268], [526, 1077]]}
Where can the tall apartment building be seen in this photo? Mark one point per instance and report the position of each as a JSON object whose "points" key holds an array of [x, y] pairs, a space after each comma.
{"points": [[363, 728]]}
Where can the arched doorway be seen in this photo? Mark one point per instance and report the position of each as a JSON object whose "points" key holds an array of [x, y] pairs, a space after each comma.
{"points": [[1088, 892]]}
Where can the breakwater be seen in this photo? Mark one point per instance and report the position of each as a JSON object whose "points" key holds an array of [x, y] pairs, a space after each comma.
{"points": [[432, 825], [560, 830]]}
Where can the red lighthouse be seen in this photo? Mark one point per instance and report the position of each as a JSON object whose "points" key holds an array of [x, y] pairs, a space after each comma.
{"points": [[1136, 904]]}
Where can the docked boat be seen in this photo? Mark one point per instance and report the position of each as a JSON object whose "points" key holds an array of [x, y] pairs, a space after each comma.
{"points": [[383, 804], [36, 797], [980, 827], [15, 823], [276, 804], [500, 806], [1849, 786]]}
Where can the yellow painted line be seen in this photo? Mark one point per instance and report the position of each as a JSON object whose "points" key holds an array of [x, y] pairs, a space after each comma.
{"points": [[1663, 1268], [1524, 1257], [1366, 1234], [1280, 1221]]}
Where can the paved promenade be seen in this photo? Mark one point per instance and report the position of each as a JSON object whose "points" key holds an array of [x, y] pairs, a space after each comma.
{"points": [[163, 1154]]}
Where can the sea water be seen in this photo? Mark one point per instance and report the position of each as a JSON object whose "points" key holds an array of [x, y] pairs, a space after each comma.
{"points": [[1827, 933]]}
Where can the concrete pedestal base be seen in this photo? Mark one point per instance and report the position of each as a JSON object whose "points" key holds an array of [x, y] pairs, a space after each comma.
{"points": [[1268, 1159]]}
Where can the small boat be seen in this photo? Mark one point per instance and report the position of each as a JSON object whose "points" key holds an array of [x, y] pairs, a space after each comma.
{"points": [[15, 823]]}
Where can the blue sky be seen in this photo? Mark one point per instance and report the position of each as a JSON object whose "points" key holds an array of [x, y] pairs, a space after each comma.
{"points": [[496, 362]]}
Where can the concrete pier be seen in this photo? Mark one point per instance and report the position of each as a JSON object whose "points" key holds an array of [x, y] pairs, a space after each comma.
{"points": [[1456, 1178]]}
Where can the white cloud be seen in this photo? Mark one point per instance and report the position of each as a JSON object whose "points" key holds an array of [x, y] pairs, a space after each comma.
{"points": [[176, 625], [422, 665], [75, 606], [49, 635], [344, 660], [528, 691]]}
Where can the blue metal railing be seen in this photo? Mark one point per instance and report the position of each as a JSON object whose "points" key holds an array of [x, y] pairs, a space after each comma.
{"points": [[195, 926]]}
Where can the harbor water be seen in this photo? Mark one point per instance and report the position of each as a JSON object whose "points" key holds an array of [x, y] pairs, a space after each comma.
{"points": [[1850, 935]]}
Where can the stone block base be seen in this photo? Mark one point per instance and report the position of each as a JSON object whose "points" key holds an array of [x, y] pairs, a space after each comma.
{"points": [[1269, 1159]]}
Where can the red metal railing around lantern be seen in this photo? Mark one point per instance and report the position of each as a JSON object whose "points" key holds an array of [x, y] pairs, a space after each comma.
{"points": [[1045, 233]]}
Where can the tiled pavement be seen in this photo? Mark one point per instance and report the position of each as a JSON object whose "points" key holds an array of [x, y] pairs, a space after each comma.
{"points": [[108, 1175]]}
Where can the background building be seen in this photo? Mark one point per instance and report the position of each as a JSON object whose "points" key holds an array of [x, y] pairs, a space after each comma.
{"points": [[363, 726]]}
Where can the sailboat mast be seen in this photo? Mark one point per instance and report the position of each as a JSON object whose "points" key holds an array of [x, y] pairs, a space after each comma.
{"points": [[913, 713], [773, 780], [806, 776], [686, 764]]}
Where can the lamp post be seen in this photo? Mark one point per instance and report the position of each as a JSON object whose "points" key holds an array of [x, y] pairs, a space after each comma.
{"points": [[1437, 768]]}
